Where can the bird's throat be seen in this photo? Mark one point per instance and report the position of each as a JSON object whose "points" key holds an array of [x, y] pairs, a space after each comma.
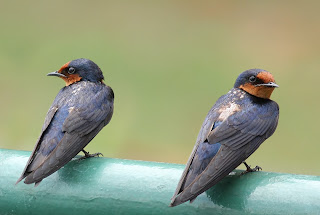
{"points": [[258, 91], [70, 79]]}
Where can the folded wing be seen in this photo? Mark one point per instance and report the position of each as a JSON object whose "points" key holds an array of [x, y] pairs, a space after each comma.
{"points": [[71, 129], [240, 135]]}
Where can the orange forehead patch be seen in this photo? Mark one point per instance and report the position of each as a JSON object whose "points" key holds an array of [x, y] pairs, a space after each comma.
{"points": [[64, 67], [266, 77]]}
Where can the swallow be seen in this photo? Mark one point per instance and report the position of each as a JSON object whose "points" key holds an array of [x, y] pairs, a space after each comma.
{"points": [[233, 129], [78, 113]]}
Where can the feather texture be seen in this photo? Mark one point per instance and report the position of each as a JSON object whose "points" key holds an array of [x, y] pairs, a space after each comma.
{"points": [[234, 128], [76, 116]]}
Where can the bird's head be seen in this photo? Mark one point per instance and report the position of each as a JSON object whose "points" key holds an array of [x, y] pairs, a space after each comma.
{"points": [[257, 82], [79, 70]]}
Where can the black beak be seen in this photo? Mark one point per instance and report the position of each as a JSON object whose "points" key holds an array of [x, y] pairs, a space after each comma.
{"points": [[270, 84], [56, 73]]}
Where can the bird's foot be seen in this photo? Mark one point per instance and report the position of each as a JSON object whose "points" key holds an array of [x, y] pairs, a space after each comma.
{"points": [[249, 169], [88, 155]]}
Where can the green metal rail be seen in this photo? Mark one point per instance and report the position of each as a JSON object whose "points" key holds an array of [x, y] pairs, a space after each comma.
{"points": [[115, 186]]}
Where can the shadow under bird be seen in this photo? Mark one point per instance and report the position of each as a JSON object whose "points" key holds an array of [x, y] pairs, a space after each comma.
{"points": [[234, 128], [80, 110]]}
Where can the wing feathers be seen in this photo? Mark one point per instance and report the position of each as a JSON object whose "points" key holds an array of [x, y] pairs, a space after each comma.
{"points": [[203, 134], [62, 155], [240, 134], [223, 163], [52, 111], [78, 121]]}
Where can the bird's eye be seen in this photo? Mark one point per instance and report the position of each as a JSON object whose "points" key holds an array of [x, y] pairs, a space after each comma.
{"points": [[252, 78], [71, 70]]}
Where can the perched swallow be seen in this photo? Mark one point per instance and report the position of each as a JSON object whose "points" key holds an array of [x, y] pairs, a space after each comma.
{"points": [[234, 128], [80, 110]]}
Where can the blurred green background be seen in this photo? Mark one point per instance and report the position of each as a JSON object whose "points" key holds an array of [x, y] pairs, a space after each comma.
{"points": [[168, 62]]}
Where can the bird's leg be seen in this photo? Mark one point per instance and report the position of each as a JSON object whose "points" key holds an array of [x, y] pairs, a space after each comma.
{"points": [[249, 169], [88, 155]]}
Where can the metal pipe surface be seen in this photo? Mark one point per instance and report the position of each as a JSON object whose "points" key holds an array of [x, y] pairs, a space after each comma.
{"points": [[116, 186]]}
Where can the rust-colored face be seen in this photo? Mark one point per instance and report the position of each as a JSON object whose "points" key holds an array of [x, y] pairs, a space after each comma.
{"points": [[260, 91], [68, 77], [79, 70], [262, 87], [71, 79]]}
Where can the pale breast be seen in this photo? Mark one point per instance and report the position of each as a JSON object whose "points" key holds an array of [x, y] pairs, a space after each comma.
{"points": [[227, 110]]}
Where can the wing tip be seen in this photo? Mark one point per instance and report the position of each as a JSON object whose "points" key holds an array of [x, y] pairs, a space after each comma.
{"points": [[175, 201], [20, 179]]}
